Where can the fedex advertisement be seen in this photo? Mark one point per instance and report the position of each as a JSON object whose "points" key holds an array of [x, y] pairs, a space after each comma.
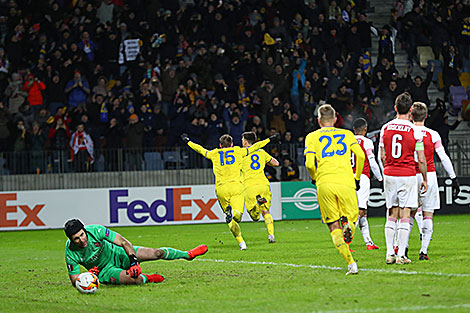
{"points": [[117, 207]]}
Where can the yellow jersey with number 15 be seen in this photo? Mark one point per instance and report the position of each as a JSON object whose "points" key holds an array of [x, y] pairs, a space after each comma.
{"points": [[331, 148]]}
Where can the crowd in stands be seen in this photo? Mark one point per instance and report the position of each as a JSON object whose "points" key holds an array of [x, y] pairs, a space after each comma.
{"points": [[72, 82]]}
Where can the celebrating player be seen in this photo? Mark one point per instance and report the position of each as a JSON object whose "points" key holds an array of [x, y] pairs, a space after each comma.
{"points": [[112, 257], [360, 130], [328, 161], [257, 192], [226, 164], [430, 200], [399, 139]]}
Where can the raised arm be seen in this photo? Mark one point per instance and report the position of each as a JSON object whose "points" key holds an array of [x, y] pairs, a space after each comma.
{"points": [[198, 148], [258, 145]]}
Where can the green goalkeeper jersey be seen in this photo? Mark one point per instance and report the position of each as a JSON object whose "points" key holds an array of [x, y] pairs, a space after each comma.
{"points": [[99, 251]]}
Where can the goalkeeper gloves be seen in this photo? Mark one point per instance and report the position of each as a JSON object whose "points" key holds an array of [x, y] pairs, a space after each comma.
{"points": [[94, 270], [134, 270], [185, 138], [455, 187], [357, 184]]}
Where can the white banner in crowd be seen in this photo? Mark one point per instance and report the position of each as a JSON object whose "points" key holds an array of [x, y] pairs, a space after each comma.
{"points": [[131, 48], [25, 210]]}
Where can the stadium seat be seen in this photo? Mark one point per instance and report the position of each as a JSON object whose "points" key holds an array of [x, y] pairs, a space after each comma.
{"points": [[171, 159], [424, 55], [465, 79], [437, 70], [457, 95], [153, 161]]}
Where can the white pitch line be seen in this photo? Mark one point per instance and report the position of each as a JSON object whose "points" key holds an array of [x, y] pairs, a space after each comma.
{"points": [[335, 268], [398, 309]]}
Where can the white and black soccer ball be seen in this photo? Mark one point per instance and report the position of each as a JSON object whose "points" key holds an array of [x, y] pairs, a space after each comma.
{"points": [[87, 283]]}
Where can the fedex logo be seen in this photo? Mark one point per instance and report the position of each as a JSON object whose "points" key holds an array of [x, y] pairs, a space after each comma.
{"points": [[139, 211], [31, 214]]}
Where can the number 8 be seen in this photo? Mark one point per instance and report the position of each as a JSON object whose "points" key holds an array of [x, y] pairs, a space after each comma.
{"points": [[396, 146]]}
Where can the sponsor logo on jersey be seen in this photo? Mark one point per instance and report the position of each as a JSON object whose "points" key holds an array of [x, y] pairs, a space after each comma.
{"points": [[9, 213], [170, 208]]}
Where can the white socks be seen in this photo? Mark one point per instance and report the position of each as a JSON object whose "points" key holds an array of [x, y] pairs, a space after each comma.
{"points": [[427, 233], [403, 231], [390, 229], [364, 227]]}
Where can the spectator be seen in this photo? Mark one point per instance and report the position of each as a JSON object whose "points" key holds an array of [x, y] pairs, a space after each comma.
{"points": [[33, 86], [451, 69], [55, 93], [5, 120], [15, 93], [82, 148], [113, 136], [38, 153], [135, 133], [419, 89], [289, 170], [19, 138], [77, 90], [59, 135]]}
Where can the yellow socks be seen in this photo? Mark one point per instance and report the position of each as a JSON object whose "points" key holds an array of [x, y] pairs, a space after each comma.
{"points": [[235, 229], [268, 220], [338, 240]]}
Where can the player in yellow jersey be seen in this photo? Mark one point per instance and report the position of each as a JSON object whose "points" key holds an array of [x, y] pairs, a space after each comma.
{"points": [[328, 160], [257, 192], [226, 164]]}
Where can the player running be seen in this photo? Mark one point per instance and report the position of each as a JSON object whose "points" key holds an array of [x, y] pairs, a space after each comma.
{"points": [[430, 200], [112, 257], [256, 185], [328, 161], [360, 130], [226, 165], [399, 139]]}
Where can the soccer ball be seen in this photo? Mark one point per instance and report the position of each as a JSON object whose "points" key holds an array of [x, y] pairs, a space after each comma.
{"points": [[87, 283]]}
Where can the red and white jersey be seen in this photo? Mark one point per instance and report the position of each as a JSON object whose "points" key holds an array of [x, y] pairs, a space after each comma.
{"points": [[368, 147], [399, 138], [432, 142]]}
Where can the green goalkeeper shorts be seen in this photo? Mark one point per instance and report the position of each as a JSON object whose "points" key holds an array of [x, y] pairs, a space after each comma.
{"points": [[119, 262]]}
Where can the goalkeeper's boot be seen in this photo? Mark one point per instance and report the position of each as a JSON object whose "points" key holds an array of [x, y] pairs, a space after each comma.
{"points": [[154, 278], [390, 259], [261, 200], [199, 250], [352, 269], [271, 239], [423, 256], [228, 214], [371, 246], [347, 231], [242, 245], [402, 260]]}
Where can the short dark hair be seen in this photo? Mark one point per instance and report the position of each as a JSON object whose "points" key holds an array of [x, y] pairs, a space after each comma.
{"points": [[403, 103], [226, 140], [419, 111], [250, 137], [359, 124]]}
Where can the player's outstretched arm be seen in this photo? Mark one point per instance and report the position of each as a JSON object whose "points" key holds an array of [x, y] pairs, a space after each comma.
{"points": [[374, 167], [198, 148], [134, 270], [258, 145], [273, 162], [360, 159], [447, 163]]}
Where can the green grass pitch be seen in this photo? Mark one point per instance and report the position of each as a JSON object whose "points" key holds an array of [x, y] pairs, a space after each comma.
{"points": [[33, 275]]}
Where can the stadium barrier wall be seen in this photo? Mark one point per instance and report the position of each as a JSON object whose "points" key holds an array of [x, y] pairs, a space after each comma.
{"points": [[24, 210]]}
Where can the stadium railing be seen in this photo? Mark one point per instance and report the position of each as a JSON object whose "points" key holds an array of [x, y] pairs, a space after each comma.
{"points": [[40, 170]]}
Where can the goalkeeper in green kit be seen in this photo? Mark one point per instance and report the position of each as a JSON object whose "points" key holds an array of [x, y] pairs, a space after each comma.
{"points": [[112, 257]]}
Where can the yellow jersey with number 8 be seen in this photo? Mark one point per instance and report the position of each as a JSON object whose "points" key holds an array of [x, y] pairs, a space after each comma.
{"points": [[332, 150], [253, 168]]}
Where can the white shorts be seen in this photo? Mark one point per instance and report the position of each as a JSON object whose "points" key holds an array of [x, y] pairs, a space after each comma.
{"points": [[429, 200], [363, 192], [401, 191]]}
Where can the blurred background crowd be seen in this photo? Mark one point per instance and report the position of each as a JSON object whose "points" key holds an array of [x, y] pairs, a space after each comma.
{"points": [[79, 77]]}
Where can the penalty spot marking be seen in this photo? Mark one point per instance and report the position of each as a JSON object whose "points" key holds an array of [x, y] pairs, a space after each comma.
{"points": [[336, 268]]}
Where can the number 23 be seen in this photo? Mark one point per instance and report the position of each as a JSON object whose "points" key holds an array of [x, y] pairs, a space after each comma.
{"points": [[329, 140]]}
